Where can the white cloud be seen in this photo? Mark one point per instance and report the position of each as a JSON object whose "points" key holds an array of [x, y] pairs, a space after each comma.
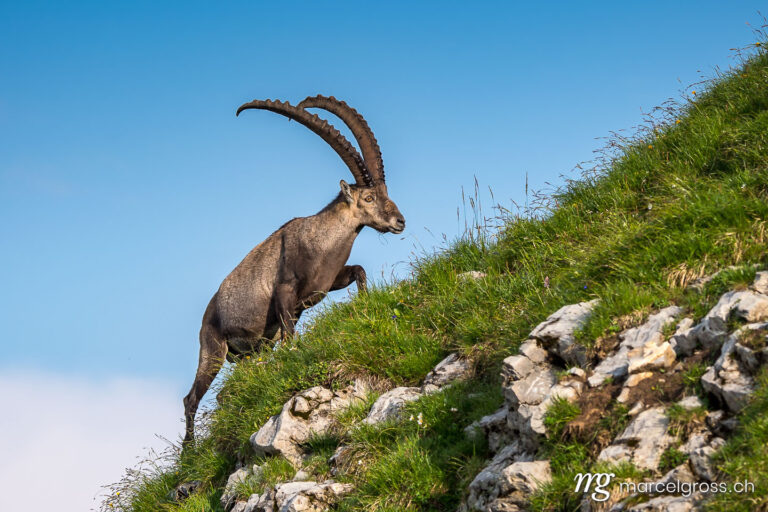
{"points": [[62, 438]]}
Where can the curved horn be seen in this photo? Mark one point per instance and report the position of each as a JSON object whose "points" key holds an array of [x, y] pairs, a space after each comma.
{"points": [[359, 127], [329, 134]]}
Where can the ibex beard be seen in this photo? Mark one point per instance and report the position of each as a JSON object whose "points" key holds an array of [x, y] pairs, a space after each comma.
{"points": [[297, 265]]}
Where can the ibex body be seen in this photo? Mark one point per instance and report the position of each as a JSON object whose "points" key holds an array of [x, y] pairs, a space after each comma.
{"points": [[298, 264]]}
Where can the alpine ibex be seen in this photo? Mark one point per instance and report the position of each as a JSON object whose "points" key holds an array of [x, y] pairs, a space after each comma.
{"points": [[296, 266]]}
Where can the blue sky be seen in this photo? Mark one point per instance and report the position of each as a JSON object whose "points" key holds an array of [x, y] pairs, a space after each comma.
{"points": [[128, 189]]}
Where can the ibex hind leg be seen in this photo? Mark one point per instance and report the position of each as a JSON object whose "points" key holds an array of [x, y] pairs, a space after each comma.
{"points": [[213, 351]]}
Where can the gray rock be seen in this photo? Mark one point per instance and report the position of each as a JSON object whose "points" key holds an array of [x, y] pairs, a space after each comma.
{"points": [[701, 462], [186, 489], [683, 341], [615, 453], [507, 481], [492, 427], [711, 332], [229, 495], [309, 412], [695, 441], [298, 497], [532, 389], [517, 367], [532, 350], [641, 348], [642, 442], [745, 304], [729, 379], [389, 405], [557, 331], [450, 369], [530, 385], [690, 402], [301, 476], [760, 284], [577, 372]]}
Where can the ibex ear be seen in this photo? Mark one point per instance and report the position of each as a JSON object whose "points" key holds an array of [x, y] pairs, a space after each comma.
{"points": [[346, 191]]}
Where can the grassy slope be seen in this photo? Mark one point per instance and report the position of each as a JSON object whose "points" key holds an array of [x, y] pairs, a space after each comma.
{"points": [[688, 195]]}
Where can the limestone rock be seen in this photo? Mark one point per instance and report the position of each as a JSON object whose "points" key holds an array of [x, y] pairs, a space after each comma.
{"points": [[557, 331], [450, 369], [532, 389], [701, 459], [690, 402], [389, 405], [296, 497], [683, 341], [640, 348], [642, 442], [745, 304], [530, 385], [230, 494], [760, 284], [494, 428], [729, 378], [507, 482], [308, 412]]}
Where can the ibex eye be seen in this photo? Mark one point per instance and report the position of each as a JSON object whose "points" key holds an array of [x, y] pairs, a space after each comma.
{"points": [[368, 199]]}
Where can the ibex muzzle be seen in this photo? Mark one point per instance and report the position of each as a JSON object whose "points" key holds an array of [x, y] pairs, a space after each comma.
{"points": [[297, 265]]}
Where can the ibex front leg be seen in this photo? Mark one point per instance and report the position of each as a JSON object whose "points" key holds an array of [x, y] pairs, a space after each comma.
{"points": [[349, 274]]}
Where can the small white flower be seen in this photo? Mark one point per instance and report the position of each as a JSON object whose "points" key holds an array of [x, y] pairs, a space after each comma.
{"points": [[420, 419], [453, 409], [650, 206], [411, 418], [359, 462]]}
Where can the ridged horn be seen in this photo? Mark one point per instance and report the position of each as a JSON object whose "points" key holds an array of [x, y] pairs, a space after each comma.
{"points": [[357, 125], [324, 129]]}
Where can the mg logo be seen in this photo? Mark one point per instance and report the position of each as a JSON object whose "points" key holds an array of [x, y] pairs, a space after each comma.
{"points": [[601, 481]]}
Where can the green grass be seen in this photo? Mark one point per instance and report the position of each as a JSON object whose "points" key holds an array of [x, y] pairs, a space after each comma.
{"points": [[559, 413], [677, 201]]}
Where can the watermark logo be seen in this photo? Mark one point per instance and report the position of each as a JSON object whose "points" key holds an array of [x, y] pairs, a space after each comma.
{"points": [[597, 484], [601, 481]]}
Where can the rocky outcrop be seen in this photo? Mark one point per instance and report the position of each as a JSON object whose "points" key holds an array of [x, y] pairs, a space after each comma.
{"points": [[308, 413], [302, 496], [530, 386], [507, 481], [557, 331], [646, 357], [312, 412], [731, 379]]}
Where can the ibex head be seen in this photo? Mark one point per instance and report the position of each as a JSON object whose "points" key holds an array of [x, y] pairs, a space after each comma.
{"points": [[368, 199]]}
